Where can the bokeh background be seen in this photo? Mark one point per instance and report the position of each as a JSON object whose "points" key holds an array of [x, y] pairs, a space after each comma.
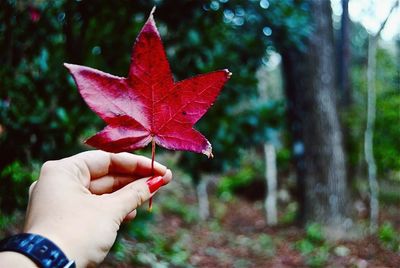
{"points": [[305, 134]]}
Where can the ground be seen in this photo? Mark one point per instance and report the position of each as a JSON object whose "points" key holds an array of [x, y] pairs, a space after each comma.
{"points": [[237, 236]]}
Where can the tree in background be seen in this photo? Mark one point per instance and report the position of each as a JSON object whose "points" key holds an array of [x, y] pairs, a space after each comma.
{"points": [[345, 96], [371, 115], [317, 137]]}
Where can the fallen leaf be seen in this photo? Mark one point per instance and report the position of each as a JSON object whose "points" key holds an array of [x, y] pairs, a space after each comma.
{"points": [[148, 105]]}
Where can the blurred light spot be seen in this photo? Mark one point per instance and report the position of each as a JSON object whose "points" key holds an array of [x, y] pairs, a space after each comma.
{"points": [[34, 14], [267, 31], [224, 1], [238, 21], [33, 138], [214, 5], [138, 17], [194, 37], [239, 12], [272, 61], [96, 50], [228, 14], [333, 200], [264, 4], [252, 18], [42, 60], [61, 16], [5, 103], [298, 148], [162, 29]]}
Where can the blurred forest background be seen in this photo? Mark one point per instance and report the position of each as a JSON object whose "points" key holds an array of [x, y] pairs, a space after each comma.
{"points": [[306, 134]]}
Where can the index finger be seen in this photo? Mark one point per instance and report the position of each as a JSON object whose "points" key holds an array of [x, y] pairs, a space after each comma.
{"points": [[99, 163]]}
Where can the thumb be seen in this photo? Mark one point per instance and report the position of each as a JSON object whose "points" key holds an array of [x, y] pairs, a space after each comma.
{"points": [[131, 196]]}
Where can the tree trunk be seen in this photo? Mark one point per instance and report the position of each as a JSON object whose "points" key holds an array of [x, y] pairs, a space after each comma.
{"points": [[369, 131], [202, 197], [271, 178], [344, 57], [313, 118], [369, 134]]}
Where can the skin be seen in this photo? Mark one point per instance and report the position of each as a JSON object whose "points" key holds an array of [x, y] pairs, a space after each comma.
{"points": [[79, 203]]}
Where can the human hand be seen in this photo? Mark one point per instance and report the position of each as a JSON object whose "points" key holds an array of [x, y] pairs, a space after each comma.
{"points": [[79, 202]]}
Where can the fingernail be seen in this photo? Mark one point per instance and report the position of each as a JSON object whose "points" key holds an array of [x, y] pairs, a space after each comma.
{"points": [[155, 183]]}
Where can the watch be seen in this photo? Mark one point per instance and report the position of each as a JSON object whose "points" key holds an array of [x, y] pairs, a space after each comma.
{"points": [[39, 249]]}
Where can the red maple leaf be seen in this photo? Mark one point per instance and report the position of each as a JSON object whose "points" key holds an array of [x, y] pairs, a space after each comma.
{"points": [[148, 105]]}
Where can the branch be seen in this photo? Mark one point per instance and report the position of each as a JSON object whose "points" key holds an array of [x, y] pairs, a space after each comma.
{"points": [[395, 4]]}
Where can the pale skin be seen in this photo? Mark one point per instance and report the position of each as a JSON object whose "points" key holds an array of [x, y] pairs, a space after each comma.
{"points": [[79, 203]]}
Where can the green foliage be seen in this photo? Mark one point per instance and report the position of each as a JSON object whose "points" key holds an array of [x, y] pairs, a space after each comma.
{"points": [[6, 221], [389, 237], [314, 233], [390, 196], [42, 115], [140, 244], [313, 247], [250, 169], [264, 245], [160, 252], [20, 177], [173, 206], [234, 39], [386, 141], [290, 214], [18, 173], [229, 183]]}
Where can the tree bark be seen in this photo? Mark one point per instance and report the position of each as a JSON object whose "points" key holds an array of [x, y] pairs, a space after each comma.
{"points": [[344, 57], [202, 197], [313, 118], [369, 134], [271, 179]]}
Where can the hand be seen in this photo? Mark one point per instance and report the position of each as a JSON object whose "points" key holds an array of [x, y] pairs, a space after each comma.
{"points": [[79, 202]]}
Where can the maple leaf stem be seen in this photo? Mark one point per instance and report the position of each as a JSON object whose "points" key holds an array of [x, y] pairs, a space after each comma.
{"points": [[153, 155]]}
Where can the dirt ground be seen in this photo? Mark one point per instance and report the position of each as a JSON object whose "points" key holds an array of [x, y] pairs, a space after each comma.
{"points": [[238, 237], [228, 248]]}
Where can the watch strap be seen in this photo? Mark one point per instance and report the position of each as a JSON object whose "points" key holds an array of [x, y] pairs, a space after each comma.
{"points": [[39, 249]]}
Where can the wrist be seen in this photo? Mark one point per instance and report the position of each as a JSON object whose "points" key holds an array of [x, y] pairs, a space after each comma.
{"points": [[40, 250], [15, 259], [61, 243]]}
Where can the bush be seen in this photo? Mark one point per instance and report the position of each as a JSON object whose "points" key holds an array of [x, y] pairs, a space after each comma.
{"points": [[389, 237], [313, 247]]}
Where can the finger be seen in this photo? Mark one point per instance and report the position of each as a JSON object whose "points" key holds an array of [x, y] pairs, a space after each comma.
{"points": [[96, 164], [32, 187], [135, 193], [109, 184], [131, 216], [129, 198], [100, 163], [121, 164], [167, 176]]}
